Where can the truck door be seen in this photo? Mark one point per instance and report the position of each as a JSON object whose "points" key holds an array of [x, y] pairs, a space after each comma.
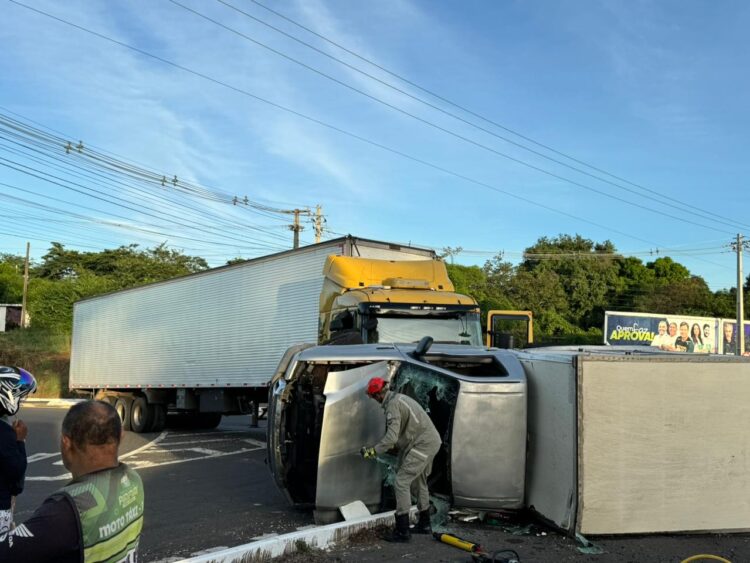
{"points": [[510, 329]]}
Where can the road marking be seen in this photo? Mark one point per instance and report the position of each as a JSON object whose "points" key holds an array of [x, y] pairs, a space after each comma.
{"points": [[147, 464], [40, 456], [153, 442], [198, 434], [196, 441], [159, 445], [66, 476]]}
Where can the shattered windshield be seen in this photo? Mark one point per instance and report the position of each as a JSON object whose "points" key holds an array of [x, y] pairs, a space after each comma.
{"points": [[464, 329]]}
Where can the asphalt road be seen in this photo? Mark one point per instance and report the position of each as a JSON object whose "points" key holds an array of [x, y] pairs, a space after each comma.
{"points": [[204, 489], [212, 489]]}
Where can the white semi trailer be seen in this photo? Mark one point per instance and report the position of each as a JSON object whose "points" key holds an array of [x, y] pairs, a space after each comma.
{"points": [[208, 343]]}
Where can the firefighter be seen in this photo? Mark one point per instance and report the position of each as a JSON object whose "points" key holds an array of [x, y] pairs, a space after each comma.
{"points": [[410, 430]]}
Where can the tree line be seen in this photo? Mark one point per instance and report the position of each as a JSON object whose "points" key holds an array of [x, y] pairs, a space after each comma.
{"points": [[566, 281]]}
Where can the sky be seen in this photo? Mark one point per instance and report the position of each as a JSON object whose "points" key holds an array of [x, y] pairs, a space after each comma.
{"points": [[483, 125]]}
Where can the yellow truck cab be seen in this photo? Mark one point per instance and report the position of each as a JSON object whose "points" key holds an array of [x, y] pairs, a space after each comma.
{"points": [[365, 300]]}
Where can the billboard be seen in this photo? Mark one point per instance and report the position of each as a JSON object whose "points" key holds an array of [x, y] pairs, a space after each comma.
{"points": [[728, 338], [675, 333]]}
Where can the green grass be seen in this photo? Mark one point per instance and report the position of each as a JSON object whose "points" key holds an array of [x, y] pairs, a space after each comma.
{"points": [[44, 353]]}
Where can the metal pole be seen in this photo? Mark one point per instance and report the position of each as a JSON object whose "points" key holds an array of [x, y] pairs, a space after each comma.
{"points": [[25, 285], [740, 332], [254, 415]]}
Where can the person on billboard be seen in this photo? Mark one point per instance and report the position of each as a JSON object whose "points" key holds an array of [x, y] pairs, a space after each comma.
{"points": [[661, 338], [670, 339], [697, 337], [683, 342], [729, 344]]}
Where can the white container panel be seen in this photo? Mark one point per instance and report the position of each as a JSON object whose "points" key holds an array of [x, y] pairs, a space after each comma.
{"points": [[225, 328]]}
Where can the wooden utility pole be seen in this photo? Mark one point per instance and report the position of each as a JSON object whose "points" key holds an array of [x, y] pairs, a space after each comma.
{"points": [[25, 285], [740, 332]]}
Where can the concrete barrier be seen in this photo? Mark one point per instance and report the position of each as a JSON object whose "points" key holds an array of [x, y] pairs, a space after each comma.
{"points": [[317, 537]]}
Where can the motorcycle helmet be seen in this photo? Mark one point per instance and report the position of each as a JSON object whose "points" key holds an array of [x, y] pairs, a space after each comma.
{"points": [[15, 384]]}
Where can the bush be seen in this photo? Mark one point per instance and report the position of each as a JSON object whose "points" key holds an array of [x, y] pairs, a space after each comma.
{"points": [[45, 353], [51, 302]]}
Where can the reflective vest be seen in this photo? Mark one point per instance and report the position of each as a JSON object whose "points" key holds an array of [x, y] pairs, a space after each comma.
{"points": [[110, 510]]}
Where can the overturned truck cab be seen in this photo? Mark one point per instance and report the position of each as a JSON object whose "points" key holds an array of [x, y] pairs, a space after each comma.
{"points": [[320, 416]]}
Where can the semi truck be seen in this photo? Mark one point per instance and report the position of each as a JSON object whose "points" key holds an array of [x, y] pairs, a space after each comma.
{"points": [[208, 343]]}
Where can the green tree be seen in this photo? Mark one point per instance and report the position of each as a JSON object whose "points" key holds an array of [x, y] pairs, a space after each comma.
{"points": [[51, 301], [11, 278], [65, 276], [587, 274]]}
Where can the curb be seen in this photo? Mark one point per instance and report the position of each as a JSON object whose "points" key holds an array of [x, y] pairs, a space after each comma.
{"points": [[50, 403], [320, 537]]}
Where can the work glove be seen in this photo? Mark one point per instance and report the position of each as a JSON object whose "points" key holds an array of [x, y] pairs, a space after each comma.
{"points": [[367, 453]]}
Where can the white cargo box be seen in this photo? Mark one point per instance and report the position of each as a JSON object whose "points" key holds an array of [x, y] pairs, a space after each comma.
{"points": [[636, 441], [225, 327]]}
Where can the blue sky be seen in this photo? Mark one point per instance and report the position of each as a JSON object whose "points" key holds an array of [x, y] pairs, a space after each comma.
{"points": [[653, 93]]}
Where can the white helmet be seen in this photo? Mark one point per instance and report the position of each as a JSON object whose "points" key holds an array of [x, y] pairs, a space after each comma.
{"points": [[15, 384]]}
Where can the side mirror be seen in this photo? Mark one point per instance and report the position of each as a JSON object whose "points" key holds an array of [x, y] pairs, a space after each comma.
{"points": [[342, 321]]}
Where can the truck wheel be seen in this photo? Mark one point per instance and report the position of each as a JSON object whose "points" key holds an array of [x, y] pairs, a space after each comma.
{"points": [[141, 417], [159, 417], [122, 406]]}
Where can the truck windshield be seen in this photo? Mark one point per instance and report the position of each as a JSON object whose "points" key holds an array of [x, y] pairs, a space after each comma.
{"points": [[464, 329]]}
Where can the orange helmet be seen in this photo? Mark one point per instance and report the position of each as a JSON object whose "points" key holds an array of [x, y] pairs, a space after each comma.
{"points": [[375, 386]]}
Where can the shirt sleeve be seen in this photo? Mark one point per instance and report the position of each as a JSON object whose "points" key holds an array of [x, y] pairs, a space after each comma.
{"points": [[13, 461], [392, 428], [51, 534]]}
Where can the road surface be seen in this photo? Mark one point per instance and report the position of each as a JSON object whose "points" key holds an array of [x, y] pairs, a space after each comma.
{"points": [[204, 489]]}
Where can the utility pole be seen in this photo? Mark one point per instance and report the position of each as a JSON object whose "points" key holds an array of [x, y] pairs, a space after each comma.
{"points": [[25, 285], [318, 223], [740, 332], [296, 227]]}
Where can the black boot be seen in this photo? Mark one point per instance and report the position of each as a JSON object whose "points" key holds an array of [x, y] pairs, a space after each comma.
{"points": [[423, 525], [400, 533]]}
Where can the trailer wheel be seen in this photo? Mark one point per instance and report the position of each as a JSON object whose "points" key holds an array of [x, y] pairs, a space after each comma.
{"points": [[141, 416], [123, 407], [159, 417]]}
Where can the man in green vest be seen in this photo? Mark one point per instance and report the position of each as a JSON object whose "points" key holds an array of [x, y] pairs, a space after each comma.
{"points": [[97, 517]]}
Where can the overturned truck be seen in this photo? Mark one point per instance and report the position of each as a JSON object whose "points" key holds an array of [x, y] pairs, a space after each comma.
{"points": [[621, 440], [319, 418]]}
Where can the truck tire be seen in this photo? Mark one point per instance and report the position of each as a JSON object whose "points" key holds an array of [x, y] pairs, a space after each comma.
{"points": [[122, 406], [141, 416], [159, 418]]}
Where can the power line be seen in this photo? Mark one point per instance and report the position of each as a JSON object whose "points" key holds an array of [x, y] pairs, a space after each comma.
{"points": [[694, 210], [127, 187], [130, 227], [460, 136], [24, 132], [332, 127], [327, 125], [109, 175], [39, 174]]}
